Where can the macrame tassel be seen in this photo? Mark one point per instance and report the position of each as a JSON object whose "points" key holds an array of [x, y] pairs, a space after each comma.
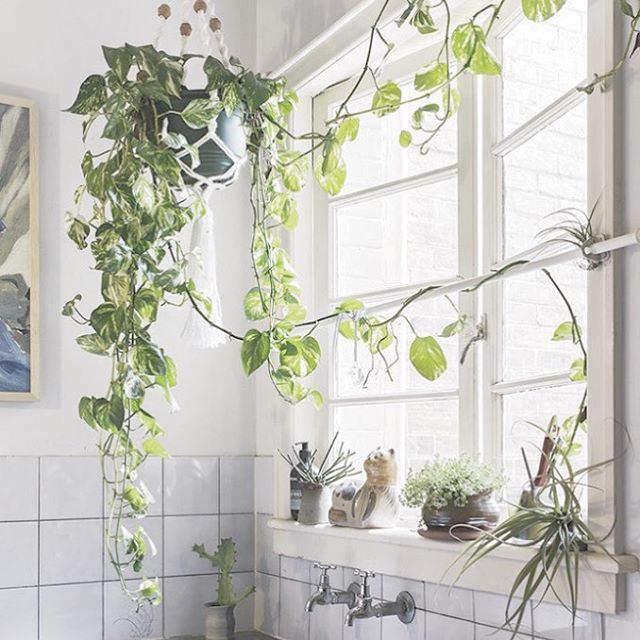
{"points": [[203, 272]]}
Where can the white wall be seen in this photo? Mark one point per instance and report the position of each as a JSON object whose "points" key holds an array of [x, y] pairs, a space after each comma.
{"points": [[46, 50]]}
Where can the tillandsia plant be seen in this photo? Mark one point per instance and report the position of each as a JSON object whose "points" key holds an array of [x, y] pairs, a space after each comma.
{"points": [[333, 467], [450, 482], [140, 204], [224, 559]]}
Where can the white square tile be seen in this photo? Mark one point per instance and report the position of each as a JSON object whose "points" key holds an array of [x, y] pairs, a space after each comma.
{"points": [[369, 629], [326, 622], [70, 487], [491, 609], [393, 629], [264, 485], [191, 486], [553, 622], [19, 488], [181, 533], [19, 554], [241, 528], [299, 569], [70, 551], [244, 610], [184, 604], [445, 628], [122, 618], [71, 612], [392, 586], [489, 633], [149, 474], [236, 484], [153, 563], [266, 560], [449, 601], [267, 604], [19, 614], [294, 621]]}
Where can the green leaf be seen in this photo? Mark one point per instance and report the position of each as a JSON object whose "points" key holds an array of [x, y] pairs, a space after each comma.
{"points": [[387, 99], [91, 96], [217, 74], [254, 309], [146, 304], [162, 162], [317, 399], [116, 127], [116, 288], [144, 193], [293, 168], [78, 230], [70, 307], [540, 10], [150, 423], [300, 355], [455, 328], [469, 48], [93, 343], [257, 90], [406, 138], [333, 181], [626, 8], [154, 447], [199, 113], [565, 331], [255, 350], [433, 76], [427, 357], [349, 306], [148, 359], [86, 411], [119, 60], [348, 130], [578, 372], [170, 75], [116, 411], [134, 498], [108, 321], [423, 21], [133, 386]]}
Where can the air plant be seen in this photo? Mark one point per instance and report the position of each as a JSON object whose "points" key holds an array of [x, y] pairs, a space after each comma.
{"points": [[329, 471]]}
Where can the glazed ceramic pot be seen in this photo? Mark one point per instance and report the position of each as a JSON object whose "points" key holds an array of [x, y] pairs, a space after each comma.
{"points": [[315, 505], [220, 622], [214, 161], [481, 512]]}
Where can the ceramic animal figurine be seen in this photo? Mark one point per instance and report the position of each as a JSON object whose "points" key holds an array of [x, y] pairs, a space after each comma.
{"points": [[375, 505]]}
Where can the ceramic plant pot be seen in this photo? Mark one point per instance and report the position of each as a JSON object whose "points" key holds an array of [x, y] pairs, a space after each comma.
{"points": [[214, 161], [481, 512], [220, 622], [315, 505]]}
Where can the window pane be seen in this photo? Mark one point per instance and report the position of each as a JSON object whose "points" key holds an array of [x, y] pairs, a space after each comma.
{"points": [[520, 410], [428, 318], [542, 61], [376, 157], [547, 173], [416, 430], [532, 311], [400, 239]]}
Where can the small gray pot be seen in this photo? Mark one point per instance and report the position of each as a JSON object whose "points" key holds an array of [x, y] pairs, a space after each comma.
{"points": [[220, 622], [315, 505]]}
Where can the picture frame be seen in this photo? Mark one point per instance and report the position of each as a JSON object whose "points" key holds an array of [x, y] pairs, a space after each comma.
{"points": [[19, 251]]}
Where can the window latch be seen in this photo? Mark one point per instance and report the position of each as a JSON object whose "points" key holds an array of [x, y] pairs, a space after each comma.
{"points": [[479, 335]]}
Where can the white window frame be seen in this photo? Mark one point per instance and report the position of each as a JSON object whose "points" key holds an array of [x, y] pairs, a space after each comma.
{"points": [[602, 585]]}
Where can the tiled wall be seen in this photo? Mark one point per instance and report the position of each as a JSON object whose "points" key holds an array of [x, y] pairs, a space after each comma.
{"points": [[284, 584], [54, 581]]}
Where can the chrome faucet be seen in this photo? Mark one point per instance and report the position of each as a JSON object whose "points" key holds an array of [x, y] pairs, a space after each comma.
{"points": [[325, 595], [404, 606]]}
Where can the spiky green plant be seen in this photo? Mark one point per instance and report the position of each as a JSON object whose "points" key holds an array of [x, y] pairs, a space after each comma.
{"points": [[224, 559]]}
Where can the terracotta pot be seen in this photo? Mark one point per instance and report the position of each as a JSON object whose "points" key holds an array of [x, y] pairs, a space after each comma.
{"points": [[481, 512], [220, 622], [315, 505]]}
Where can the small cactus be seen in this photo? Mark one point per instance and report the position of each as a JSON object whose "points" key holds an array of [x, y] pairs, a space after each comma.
{"points": [[224, 559]]}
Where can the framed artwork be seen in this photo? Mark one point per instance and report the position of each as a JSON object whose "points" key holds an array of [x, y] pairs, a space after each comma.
{"points": [[19, 340]]}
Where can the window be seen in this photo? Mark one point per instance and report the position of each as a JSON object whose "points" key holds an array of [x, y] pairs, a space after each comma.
{"points": [[518, 150]]}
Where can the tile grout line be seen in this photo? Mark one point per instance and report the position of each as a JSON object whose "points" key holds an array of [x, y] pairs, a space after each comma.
{"points": [[164, 546], [104, 575], [39, 558]]}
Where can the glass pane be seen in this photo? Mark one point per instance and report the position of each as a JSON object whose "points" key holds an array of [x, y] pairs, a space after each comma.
{"points": [[542, 61], [416, 430], [532, 311], [353, 365], [400, 239], [537, 407], [376, 157], [545, 174]]}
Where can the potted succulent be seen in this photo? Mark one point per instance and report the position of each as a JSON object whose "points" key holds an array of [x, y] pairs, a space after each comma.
{"points": [[456, 496], [220, 616], [317, 480]]}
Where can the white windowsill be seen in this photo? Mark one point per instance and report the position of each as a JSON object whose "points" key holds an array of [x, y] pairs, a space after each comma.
{"points": [[402, 552]]}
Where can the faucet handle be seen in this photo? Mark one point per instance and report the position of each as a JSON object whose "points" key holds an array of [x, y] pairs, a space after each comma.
{"points": [[365, 575], [324, 567]]}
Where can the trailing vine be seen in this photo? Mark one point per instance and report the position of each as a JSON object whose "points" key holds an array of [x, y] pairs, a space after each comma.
{"points": [[139, 204]]}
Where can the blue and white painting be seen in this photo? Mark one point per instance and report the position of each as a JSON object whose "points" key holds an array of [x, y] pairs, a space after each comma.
{"points": [[16, 246]]}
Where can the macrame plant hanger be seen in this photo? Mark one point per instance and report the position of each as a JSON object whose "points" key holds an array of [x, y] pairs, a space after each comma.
{"points": [[202, 262]]}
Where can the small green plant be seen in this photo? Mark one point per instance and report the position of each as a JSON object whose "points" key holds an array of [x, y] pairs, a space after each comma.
{"points": [[328, 472], [450, 482], [224, 559]]}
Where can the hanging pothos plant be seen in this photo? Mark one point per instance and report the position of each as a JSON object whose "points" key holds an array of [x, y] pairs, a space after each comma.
{"points": [[139, 205]]}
